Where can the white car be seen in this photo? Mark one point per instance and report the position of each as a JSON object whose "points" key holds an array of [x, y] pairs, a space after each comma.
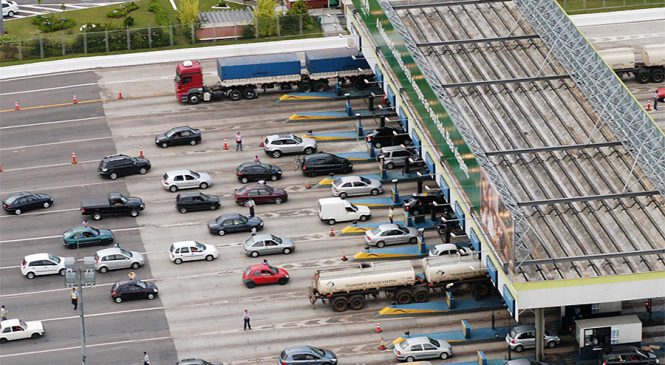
{"points": [[42, 264], [192, 251], [278, 144], [9, 8], [16, 329], [446, 249], [185, 179]]}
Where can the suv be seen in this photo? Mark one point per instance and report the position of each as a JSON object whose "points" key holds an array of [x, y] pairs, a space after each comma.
{"points": [[524, 337], [257, 171], [114, 166], [117, 258], [387, 136], [279, 144], [42, 264], [396, 156], [628, 355], [323, 164]]}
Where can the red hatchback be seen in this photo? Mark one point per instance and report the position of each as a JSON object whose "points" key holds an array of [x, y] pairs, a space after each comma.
{"points": [[262, 274], [260, 193]]}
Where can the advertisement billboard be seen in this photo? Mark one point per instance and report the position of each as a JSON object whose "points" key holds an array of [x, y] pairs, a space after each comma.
{"points": [[497, 220]]}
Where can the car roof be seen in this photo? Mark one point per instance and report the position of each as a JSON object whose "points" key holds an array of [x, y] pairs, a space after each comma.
{"points": [[115, 157], [279, 135], [229, 215], [524, 328], [350, 178], [262, 237], [258, 267], [79, 229], [10, 322], [387, 226], [445, 246], [394, 148], [109, 251], [37, 256], [20, 194], [184, 243], [255, 185], [178, 172], [296, 349], [417, 340], [185, 194], [125, 282]]}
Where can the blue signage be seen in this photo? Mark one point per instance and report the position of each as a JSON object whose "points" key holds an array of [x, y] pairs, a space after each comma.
{"points": [[508, 298], [430, 164], [491, 270], [459, 213], [444, 187], [475, 242], [403, 119]]}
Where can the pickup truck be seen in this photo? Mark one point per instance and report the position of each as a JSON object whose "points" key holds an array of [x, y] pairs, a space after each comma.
{"points": [[115, 204]]}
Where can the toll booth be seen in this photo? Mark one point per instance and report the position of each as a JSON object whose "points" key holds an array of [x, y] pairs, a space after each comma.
{"points": [[572, 313], [599, 334]]}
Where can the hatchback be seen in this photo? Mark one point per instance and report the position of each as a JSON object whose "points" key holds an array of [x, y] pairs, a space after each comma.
{"points": [[257, 171], [323, 164], [629, 355], [524, 337], [24, 201], [194, 200], [387, 136], [355, 185], [16, 329], [308, 355], [9, 8], [422, 348], [264, 274], [85, 236], [278, 144], [192, 251], [391, 234], [42, 264], [266, 244], [443, 249], [117, 258], [178, 136], [396, 156], [260, 193], [133, 289], [114, 166], [234, 222], [185, 179]]}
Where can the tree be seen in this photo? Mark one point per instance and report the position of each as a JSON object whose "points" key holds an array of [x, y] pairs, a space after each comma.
{"points": [[188, 11], [265, 14], [300, 12]]}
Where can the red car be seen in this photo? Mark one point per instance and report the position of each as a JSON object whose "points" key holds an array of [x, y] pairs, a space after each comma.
{"points": [[260, 193], [263, 274]]}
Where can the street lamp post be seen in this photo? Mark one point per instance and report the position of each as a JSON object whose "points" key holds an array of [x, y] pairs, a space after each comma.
{"points": [[75, 276]]}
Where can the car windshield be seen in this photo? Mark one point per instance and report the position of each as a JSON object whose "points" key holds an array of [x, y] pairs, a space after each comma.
{"points": [[200, 246], [55, 259], [337, 181], [404, 230], [125, 252], [204, 196], [248, 271], [375, 231], [196, 175], [95, 231], [318, 351], [172, 249], [297, 139], [23, 324], [171, 132], [140, 283], [242, 190], [270, 189], [365, 180], [434, 342], [249, 241], [276, 239], [354, 207], [273, 269]]}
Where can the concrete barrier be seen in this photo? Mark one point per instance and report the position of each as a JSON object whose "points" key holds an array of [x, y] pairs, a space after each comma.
{"points": [[617, 17]]}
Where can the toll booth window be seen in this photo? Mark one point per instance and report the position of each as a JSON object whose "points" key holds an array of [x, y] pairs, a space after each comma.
{"points": [[590, 337]]}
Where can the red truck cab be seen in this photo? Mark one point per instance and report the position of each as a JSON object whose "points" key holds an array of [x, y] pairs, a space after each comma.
{"points": [[189, 82]]}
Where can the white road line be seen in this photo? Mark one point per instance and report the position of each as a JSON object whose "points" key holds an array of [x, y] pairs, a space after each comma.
{"points": [[48, 89], [89, 345], [58, 236], [30, 12], [51, 123], [42, 212], [61, 187], [50, 165], [102, 314], [54, 143], [75, 6]]}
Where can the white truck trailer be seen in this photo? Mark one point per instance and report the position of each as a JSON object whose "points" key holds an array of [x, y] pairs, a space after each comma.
{"points": [[650, 66], [349, 286]]}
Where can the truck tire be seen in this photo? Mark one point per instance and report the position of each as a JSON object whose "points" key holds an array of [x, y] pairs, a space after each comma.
{"points": [[305, 86], [234, 94], [339, 304], [403, 296], [97, 216], [421, 296], [657, 76], [357, 302], [194, 99], [642, 76], [320, 86], [249, 93]]}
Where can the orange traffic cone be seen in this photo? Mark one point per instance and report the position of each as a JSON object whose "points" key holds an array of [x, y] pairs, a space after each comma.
{"points": [[382, 346], [74, 158], [75, 100], [16, 106], [141, 152], [120, 94], [261, 142], [226, 144], [378, 327], [649, 105], [332, 231]]}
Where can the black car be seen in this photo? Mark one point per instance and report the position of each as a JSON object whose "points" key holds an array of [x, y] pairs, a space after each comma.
{"points": [[257, 171], [233, 222], [196, 200], [629, 355], [133, 289], [113, 204], [18, 203], [323, 163], [179, 136], [420, 204], [114, 166], [387, 136]]}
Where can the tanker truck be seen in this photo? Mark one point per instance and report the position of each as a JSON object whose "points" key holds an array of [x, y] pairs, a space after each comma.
{"points": [[651, 66], [350, 286], [240, 76]]}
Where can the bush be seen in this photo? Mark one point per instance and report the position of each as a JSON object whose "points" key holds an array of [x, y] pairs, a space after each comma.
{"points": [[129, 21], [160, 14], [50, 23], [123, 10], [248, 32]]}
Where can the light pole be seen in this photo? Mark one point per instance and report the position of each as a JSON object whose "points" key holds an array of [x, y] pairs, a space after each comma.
{"points": [[77, 276]]}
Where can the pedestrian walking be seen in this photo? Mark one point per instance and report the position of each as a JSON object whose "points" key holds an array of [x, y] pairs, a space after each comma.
{"points": [[246, 320], [84, 223], [253, 231], [655, 100], [75, 298], [3, 313], [250, 204], [265, 261], [391, 214], [238, 142], [256, 159], [146, 358]]}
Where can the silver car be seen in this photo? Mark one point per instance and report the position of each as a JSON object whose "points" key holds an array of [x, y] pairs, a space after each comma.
{"points": [[266, 244], [117, 258], [278, 144], [355, 185], [524, 337], [391, 234], [185, 179], [395, 156], [422, 348]]}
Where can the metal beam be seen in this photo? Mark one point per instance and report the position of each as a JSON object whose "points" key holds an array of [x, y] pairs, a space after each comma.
{"points": [[552, 148], [507, 81], [587, 198], [478, 40], [444, 3], [600, 256]]}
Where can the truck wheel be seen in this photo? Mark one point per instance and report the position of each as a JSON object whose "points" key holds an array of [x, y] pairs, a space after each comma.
{"points": [[249, 93], [305, 87], [134, 213], [642, 77], [357, 302], [320, 87], [420, 296], [657, 76], [340, 305], [97, 216], [235, 94], [404, 297], [194, 99]]}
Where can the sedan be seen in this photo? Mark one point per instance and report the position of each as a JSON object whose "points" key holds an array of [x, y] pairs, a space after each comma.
{"points": [[24, 201], [117, 258], [257, 171], [85, 236], [260, 193], [192, 251], [307, 355], [266, 244], [234, 222], [16, 329], [264, 274], [387, 136], [391, 234], [133, 289], [185, 179], [355, 185], [422, 348], [178, 136], [195, 200]]}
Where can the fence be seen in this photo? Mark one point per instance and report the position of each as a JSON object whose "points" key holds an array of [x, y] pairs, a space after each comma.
{"points": [[587, 6], [153, 37]]}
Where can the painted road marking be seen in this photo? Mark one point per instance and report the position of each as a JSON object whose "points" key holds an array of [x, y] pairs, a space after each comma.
{"points": [[88, 345], [50, 123], [51, 165], [102, 314], [58, 236], [51, 105], [61, 187], [54, 143], [38, 213]]}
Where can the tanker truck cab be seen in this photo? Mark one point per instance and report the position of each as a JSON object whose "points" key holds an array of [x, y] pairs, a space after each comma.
{"points": [[333, 210], [189, 82]]}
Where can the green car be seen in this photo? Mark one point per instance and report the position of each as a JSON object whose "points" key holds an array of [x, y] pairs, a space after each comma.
{"points": [[85, 236]]}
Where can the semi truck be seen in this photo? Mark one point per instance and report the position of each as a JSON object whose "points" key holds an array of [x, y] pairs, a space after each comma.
{"points": [[650, 66], [350, 286], [241, 76]]}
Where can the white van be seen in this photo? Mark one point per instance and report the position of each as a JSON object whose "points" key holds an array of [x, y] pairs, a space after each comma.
{"points": [[332, 210]]}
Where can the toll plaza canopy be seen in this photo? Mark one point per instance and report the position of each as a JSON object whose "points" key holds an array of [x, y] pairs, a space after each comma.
{"points": [[560, 167]]}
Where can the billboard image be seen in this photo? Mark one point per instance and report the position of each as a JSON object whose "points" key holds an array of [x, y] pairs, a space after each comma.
{"points": [[497, 220]]}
